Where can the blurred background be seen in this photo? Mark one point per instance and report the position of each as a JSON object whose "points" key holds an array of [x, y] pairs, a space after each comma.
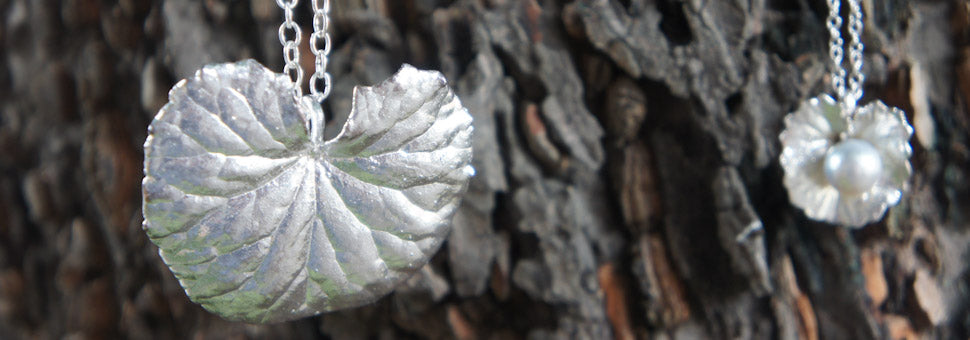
{"points": [[626, 152]]}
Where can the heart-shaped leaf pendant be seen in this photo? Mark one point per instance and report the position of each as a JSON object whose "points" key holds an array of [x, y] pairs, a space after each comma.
{"points": [[260, 222]]}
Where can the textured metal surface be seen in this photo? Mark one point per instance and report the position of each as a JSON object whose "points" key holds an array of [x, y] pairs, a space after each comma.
{"points": [[260, 223], [818, 125]]}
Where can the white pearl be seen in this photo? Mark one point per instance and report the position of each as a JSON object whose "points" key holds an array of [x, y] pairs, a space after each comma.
{"points": [[853, 166]]}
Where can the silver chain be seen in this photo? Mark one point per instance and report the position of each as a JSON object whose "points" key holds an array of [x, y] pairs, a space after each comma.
{"points": [[847, 84], [855, 53], [321, 21], [291, 47]]}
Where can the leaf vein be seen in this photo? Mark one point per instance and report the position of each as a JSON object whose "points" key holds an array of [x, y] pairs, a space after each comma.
{"points": [[380, 135], [342, 199], [222, 122], [369, 229], [191, 226], [276, 232]]}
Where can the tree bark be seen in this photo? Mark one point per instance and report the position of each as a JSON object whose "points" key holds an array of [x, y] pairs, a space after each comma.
{"points": [[626, 152]]}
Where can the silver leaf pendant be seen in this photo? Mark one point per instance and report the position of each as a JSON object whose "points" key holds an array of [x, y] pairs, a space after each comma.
{"points": [[262, 222], [845, 170]]}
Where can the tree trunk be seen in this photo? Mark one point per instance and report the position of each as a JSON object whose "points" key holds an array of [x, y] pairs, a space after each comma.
{"points": [[627, 186]]}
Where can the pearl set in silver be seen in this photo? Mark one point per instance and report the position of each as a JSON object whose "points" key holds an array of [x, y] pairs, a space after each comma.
{"points": [[852, 166], [845, 169]]}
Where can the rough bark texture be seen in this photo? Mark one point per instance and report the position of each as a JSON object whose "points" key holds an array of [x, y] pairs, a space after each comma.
{"points": [[628, 183]]}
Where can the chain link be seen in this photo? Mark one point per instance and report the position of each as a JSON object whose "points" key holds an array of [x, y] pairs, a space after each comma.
{"points": [[319, 43], [321, 21], [846, 84], [291, 47], [291, 56], [834, 25], [856, 77]]}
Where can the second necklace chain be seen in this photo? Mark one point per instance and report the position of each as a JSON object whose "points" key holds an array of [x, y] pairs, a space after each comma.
{"points": [[320, 46]]}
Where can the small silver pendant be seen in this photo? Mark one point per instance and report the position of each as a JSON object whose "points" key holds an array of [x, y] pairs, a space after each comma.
{"points": [[262, 221], [845, 169]]}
